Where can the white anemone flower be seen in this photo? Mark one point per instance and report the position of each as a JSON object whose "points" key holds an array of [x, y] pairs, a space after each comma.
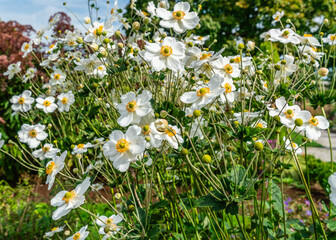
{"points": [[12, 69], [288, 114], [80, 235], [180, 19], [292, 146], [65, 100], [109, 223], [54, 230], [284, 36], [204, 94], [229, 90], [332, 182], [123, 149], [224, 67], [68, 200], [277, 16], [98, 32], [57, 77], [22, 102], [53, 167], [46, 104], [26, 48], [32, 134], [132, 108], [287, 69], [47, 151], [314, 126], [259, 124], [168, 54], [100, 71], [81, 148], [330, 39], [309, 39], [164, 131]]}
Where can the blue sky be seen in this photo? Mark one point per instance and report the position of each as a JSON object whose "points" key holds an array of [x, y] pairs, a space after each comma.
{"points": [[37, 12]]}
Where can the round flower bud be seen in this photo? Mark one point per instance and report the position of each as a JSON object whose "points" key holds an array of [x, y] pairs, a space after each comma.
{"points": [[117, 195], [157, 115], [72, 146], [136, 26], [325, 21], [49, 126], [321, 33], [258, 146], [135, 50], [131, 208], [236, 123], [67, 232], [283, 62], [106, 41], [277, 131], [323, 72], [94, 46], [277, 67], [313, 82], [190, 44], [184, 151], [304, 139], [103, 51], [241, 46], [106, 229], [79, 40], [75, 170], [148, 138], [198, 26], [206, 158], [146, 20], [229, 148], [197, 113], [250, 45], [117, 34], [161, 125], [120, 45], [298, 122], [163, 114], [288, 21], [87, 20], [276, 118]]}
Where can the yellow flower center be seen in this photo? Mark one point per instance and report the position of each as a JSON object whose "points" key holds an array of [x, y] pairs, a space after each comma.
{"points": [[289, 113], [313, 121], [33, 133], [51, 46], [131, 106], [307, 35], [146, 130], [76, 236], [228, 68], [46, 103], [50, 168], [57, 76], [54, 229], [69, 196], [277, 17], [333, 37], [26, 47], [81, 145], [285, 34], [21, 100], [205, 56], [109, 221], [170, 132], [294, 144], [228, 87], [237, 59], [144, 13], [122, 145], [259, 125], [265, 85], [71, 43], [100, 68], [64, 100], [45, 149], [178, 15], [200, 38], [166, 50], [98, 30], [201, 92]]}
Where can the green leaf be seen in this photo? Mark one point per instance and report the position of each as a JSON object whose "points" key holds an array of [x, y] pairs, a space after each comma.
{"points": [[209, 200], [275, 193], [331, 224], [232, 208], [155, 230]]}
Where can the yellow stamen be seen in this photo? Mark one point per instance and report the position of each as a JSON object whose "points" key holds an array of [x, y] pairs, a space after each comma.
{"points": [[131, 106], [178, 15], [205, 56], [122, 145], [166, 51], [289, 113], [228, 87], [228, 68], [46, 103], [81, 145], [76, 236], [307, 35], [170, 132], [33, 133], [50, 168], [45, 149], [313, 121], [203, 91], [64, 100], [69, 196], [21, 100], [57, 76]]}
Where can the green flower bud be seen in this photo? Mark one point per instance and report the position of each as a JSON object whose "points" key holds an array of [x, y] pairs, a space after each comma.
{"points": [[190, 44], [304, 139], [283, 62], [157, 115], [136, 26], [258, 146], [276, 118], [120, 45], [148, 138], [206, 158], [106, 229], [229, 148], [106, 40], [277, 67], [184, 151], [163, 114], [75, 170], [130, 208], [241, 46], [298, 122], [197, 113]]}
